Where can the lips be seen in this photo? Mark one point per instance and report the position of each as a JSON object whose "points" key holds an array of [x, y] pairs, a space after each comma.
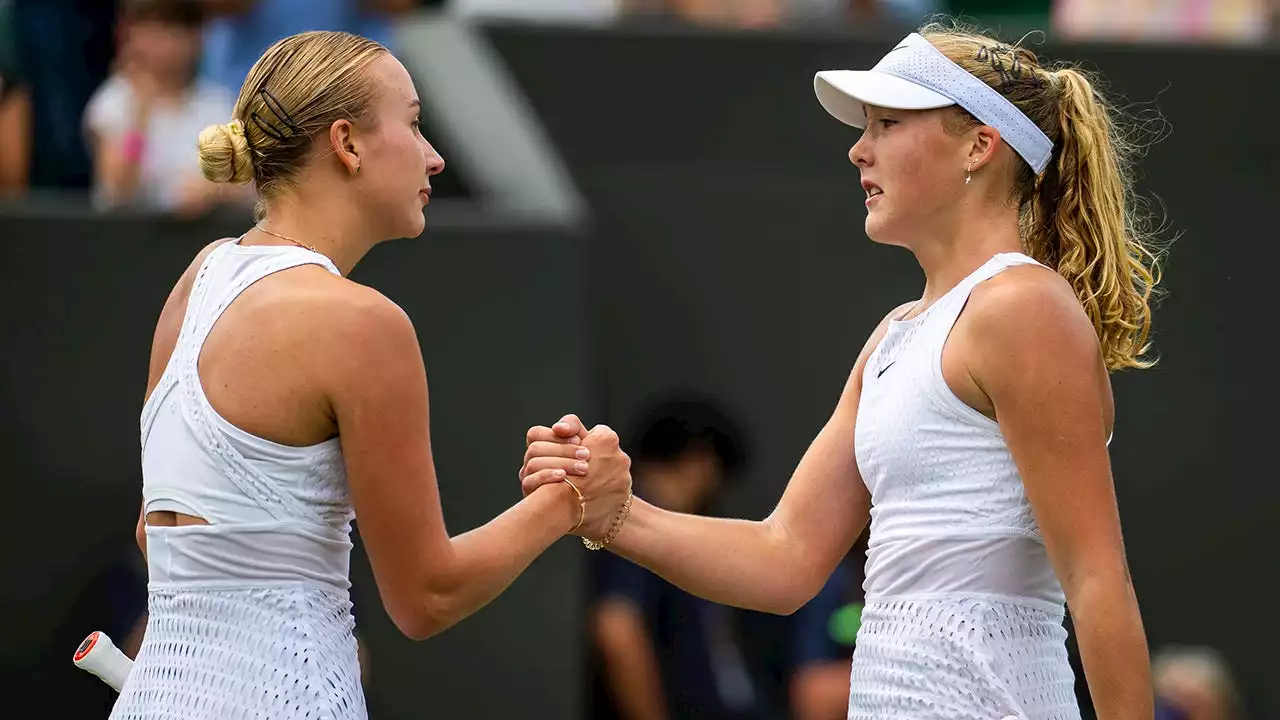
{"points": [[871, 189]]}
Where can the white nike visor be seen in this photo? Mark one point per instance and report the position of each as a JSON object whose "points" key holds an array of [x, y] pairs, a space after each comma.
{"points": [[915, 75]]}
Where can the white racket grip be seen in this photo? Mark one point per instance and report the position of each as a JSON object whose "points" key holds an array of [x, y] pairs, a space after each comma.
{"points": [[98, 655]]}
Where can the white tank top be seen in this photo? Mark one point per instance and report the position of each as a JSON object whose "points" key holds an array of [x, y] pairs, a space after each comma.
{"points": [[949, 515], [250, 615], [275, 512]]}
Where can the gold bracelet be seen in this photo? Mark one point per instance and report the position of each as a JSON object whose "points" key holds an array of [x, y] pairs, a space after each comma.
{"points": [[613, 530], [582, 504]]}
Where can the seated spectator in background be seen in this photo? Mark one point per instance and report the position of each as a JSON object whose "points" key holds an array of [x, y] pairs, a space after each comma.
{"points": [[744, 14], [65, 48], [749, 14], [239, 31], [142, 124], [1226, 21], [664, 653], [589, 12], [1193, 683]]}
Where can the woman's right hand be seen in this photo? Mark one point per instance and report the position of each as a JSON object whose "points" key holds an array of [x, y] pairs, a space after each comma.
{"points": [[606, 483]]}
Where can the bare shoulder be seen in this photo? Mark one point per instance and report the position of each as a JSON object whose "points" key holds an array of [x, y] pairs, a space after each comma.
{"points": [[357, 312], [1030, 300], [1030, 314], [359, 327]]}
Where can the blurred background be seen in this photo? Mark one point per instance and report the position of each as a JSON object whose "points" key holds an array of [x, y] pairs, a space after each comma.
{"points": [[646, 219]]}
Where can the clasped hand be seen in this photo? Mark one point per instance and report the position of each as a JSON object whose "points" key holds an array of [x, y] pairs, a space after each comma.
{"points": [[591, 460]]}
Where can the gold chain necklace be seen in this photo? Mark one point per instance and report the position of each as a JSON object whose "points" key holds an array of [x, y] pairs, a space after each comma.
{"points": [[286, 237]]}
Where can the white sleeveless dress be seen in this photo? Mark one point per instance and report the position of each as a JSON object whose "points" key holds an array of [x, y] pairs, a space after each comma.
{"points": [[964, 614], [250, 615]]}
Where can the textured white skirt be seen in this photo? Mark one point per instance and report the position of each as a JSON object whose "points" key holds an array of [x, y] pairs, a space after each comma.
{"points": [[279, 653], [961, 658]]}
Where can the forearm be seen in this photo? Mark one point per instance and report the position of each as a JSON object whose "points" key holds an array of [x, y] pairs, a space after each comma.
{"points": [[742, 563], [1113, 648], [485, 561]]}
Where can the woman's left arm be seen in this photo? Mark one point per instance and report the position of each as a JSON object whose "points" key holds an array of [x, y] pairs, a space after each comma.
{"points": [[1041, 365]]}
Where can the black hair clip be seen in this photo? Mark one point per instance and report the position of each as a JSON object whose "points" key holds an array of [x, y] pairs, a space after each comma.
{"points": [[277, 109], [1016, 72]]}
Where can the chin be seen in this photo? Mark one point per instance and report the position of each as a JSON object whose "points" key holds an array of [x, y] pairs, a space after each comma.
{"points": [[414, 226], [878, 233], [874, 230]]}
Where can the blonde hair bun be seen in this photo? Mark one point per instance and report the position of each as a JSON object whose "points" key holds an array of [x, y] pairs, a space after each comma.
{"points": [[224, 153]]}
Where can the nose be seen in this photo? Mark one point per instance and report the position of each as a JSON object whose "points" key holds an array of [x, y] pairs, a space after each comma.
{"points": [[435, 163], [858, 154]]}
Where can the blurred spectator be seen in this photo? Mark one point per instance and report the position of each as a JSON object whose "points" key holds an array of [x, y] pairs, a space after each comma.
{"points": [[576, 11], [663, 653], [754, 14], [1231, 21], [15, 110], [731, 13], [239, 31], [65, 49], [1194, 683], [143, 122]]}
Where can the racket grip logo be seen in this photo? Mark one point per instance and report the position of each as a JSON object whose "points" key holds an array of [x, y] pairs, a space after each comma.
{"points": [[98, 655]]}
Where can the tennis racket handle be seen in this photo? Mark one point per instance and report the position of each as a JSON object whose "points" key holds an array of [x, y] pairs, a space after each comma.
{"points": [[98, 655]]}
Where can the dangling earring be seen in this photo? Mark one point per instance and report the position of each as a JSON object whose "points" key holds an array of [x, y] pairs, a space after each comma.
{"points": [[969, 173]]}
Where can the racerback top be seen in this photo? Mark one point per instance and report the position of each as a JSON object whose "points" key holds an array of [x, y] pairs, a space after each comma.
{"points": [[964, 613], [249, 615]]}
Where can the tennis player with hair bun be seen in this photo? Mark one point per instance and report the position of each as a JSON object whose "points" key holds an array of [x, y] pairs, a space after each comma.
{"points": [[285, 400]]}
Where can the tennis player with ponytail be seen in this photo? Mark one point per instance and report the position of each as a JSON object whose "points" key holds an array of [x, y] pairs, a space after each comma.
{"points": [[972, 432]]}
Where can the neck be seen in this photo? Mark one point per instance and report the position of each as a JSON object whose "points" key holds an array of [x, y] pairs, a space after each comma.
{"points": [[964, 248], [326, 228]]}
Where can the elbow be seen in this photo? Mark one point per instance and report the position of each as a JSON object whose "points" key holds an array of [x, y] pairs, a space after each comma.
{"points": [[790, 601], [788, 597], [1097, 575], [781, 609], [416, 629], [418, 626], [796, 580], [424, 616]]}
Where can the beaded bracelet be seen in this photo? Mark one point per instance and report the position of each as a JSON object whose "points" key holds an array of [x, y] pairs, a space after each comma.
{"points": [[613, 530]]}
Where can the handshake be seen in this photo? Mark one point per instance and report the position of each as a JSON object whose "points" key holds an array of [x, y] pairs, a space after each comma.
{"points": [[592, 464]]}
